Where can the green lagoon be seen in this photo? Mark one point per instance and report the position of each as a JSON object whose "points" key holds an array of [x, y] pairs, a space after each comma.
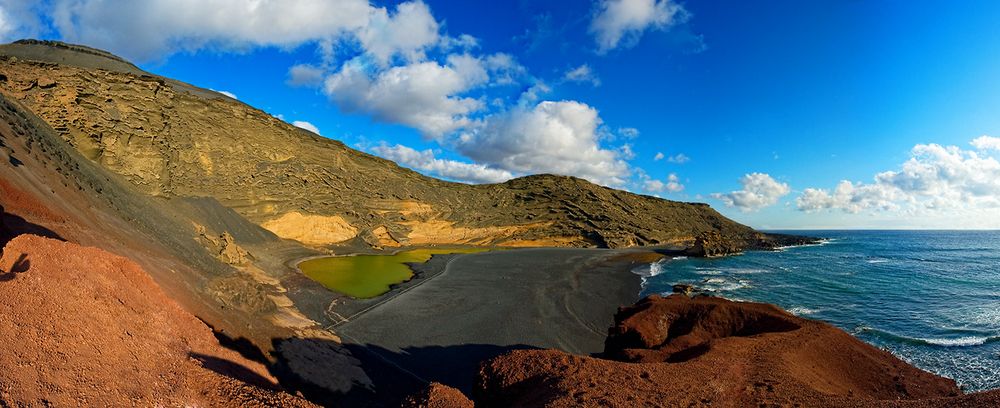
{"points": [[368, 276]]}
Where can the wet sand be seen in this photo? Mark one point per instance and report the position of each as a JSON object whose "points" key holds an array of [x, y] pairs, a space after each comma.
{"points": [[483, 305]]}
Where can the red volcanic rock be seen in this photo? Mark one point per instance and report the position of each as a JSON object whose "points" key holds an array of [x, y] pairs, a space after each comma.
{"points": [[681, 351], [438, 395], [82, 327]]}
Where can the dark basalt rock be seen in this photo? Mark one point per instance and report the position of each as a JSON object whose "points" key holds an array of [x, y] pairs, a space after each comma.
{"points": [[683, 289]]}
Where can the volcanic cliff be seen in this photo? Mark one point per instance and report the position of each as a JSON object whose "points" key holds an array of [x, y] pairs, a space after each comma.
{"points": [[704, 351]]}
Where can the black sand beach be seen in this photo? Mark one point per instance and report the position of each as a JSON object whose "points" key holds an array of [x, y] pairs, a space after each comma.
{"points": [[483, 305]]}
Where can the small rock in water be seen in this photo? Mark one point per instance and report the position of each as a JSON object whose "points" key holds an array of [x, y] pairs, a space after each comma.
{"points": [[683, 288]]}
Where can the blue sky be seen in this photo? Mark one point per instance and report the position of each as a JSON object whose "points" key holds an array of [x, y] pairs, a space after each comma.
{"points": [[781, 114]]}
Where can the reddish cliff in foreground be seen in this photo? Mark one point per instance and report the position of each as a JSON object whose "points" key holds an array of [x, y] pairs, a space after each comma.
{"points": [[82, 327], [679, 351]]}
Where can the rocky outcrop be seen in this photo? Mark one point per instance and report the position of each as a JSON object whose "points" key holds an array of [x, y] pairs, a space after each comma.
{"points": [[224, 247], [683, 289], [438, 395], [706, 351], [712, 243], [83, 327]]}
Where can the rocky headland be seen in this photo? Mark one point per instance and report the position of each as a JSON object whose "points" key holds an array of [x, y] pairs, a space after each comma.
{"points": [[681, 351]]}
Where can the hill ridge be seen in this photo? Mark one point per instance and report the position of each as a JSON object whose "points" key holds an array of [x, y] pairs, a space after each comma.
{"points": [[175, 140]]}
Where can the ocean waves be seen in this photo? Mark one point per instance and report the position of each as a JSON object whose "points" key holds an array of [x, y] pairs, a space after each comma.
{"points": [[963, 341]]}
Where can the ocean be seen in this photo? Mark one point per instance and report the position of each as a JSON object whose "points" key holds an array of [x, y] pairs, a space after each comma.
{"points": [[932, 298]]}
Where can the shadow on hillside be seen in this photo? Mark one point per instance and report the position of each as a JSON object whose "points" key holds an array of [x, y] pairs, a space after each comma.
{"points": [[12, 225], [233, 370], [335, 374]]}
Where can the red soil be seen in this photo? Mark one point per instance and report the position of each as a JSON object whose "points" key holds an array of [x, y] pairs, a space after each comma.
{"points": [[680, 352], [438, 395], [82, 327], [20, 202]]}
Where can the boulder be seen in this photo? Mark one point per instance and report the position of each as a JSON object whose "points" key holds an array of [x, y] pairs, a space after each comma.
{"points": [[231, 253], [683, 289], [438, 395], [45, 82]]}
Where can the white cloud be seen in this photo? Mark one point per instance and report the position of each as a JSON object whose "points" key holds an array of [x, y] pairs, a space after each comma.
{"points": [[306, 125], [534, 93], [626, 20], [986, 143], [7, 25], [551, 137], [407, 32], [305, 75], [759, 190], [425, 161], [227, 93], [152, 29], [583, 73], [504, 69], [935, 178], [659, 156], [679, 158], [463, 42], [628, 132], [421, 95], [673, 185], [19, 19]]}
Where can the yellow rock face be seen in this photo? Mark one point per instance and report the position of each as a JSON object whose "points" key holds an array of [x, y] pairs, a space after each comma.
{"points": [[309, 229]]}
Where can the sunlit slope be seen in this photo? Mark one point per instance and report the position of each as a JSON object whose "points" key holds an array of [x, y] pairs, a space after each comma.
{"points": [[174, 140]]}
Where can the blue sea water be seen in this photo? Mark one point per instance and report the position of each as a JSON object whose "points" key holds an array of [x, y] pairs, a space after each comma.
{"points": [[931, 298]]}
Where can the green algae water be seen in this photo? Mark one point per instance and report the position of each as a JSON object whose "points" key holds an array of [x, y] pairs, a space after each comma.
{"points": [[368, 276]]}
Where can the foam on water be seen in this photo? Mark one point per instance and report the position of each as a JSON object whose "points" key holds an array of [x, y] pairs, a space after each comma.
{"points": [[801, 311], [930, 297]]}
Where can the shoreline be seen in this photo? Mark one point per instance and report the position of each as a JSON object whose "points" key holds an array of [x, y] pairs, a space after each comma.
{"points": [[476, 306]]}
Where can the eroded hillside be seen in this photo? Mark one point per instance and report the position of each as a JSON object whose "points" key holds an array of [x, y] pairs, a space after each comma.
{"points": [[173, 140]]}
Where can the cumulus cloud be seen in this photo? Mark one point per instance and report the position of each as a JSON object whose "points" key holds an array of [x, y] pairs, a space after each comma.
{"points": [[759, 190], [550, 137], [622, 22], [672, 185], [151, 29], [659, 156], [986, 143], [306, 125], [628, 132], [504, 69], [421, 95], [19, 19], [679, 158], [407, 32], [305, 75], [7, 25], [934, 178], [583, 73], [425, 161]]}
